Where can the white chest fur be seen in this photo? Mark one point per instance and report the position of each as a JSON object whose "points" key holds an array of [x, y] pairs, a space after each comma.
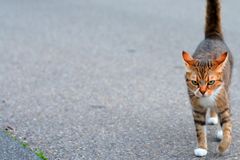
{"points": [[210, 101], [207, 101]]}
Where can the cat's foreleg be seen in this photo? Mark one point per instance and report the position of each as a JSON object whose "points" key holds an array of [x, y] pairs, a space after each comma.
{"points": [[199, 116], [226, 124]]}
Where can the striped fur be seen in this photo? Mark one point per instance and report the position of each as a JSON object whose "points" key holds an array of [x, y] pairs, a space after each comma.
{"points": [[208, 76]]}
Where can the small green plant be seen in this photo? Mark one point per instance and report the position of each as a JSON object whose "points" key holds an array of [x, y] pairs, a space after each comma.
{"points": [[40, 154], [24, 144]]}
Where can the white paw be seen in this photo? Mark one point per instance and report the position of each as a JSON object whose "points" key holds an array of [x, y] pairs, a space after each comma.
{"points": [[199, 152], [212, 120], [219, 134]]}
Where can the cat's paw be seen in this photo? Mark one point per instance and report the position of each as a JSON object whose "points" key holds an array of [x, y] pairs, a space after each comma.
{"points": [[219, 135], [224, 145], [222, 148], [200, 152], [212, 120]]}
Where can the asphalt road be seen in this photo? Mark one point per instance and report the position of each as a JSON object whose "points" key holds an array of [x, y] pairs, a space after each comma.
{"points": [[91, 79]]}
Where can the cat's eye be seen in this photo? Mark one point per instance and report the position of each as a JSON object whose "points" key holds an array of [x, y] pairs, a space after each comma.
{"points": [[194, 82], [211, 82]]}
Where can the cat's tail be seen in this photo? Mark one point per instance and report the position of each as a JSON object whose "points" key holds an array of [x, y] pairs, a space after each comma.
{"points": [[213, 28]]}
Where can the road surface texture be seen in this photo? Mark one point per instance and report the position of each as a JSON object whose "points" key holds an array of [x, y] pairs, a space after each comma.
{"points": [[91, 79]]}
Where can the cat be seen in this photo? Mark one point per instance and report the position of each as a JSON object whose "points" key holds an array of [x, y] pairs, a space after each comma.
{"points": [[208, 76]]}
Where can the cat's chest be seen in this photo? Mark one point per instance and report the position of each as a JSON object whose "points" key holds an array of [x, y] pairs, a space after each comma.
{"points": [[207, 102]]}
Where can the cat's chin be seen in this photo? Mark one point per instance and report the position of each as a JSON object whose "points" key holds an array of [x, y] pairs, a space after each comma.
{"points": [[202, 96]]}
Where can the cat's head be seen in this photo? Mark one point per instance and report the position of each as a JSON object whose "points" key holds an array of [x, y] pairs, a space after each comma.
{"points": [[204, 77]]}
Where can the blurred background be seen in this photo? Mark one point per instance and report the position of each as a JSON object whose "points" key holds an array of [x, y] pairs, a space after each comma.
{"points": [[104, 79]]}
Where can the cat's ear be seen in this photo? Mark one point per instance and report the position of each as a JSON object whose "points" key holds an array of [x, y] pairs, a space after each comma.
{"points": [[221, 61], [188, 60]]}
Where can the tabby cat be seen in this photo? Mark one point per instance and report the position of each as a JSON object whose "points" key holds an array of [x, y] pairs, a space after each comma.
{"points": [[208, 76]]}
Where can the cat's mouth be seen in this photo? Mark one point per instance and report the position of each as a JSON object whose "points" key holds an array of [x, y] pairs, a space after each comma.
{"points": [[202, 96], [198, 94]]}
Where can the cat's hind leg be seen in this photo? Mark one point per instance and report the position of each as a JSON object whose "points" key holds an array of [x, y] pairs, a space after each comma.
{"points": [[213, 119], [219, 133]]}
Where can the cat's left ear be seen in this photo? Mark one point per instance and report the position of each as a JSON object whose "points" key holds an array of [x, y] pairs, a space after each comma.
{"points": [[188, 60], [221, 61]]}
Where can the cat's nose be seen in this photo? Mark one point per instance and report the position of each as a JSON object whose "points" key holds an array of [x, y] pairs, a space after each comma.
{"points": [[203, 92], [203, 89]]}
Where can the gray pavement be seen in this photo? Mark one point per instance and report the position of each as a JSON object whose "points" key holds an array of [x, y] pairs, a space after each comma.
{"points": [[12, 150], [91, 79]]}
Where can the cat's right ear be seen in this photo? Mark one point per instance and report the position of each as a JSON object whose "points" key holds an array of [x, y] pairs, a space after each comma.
{"points": [[188, 60]]}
